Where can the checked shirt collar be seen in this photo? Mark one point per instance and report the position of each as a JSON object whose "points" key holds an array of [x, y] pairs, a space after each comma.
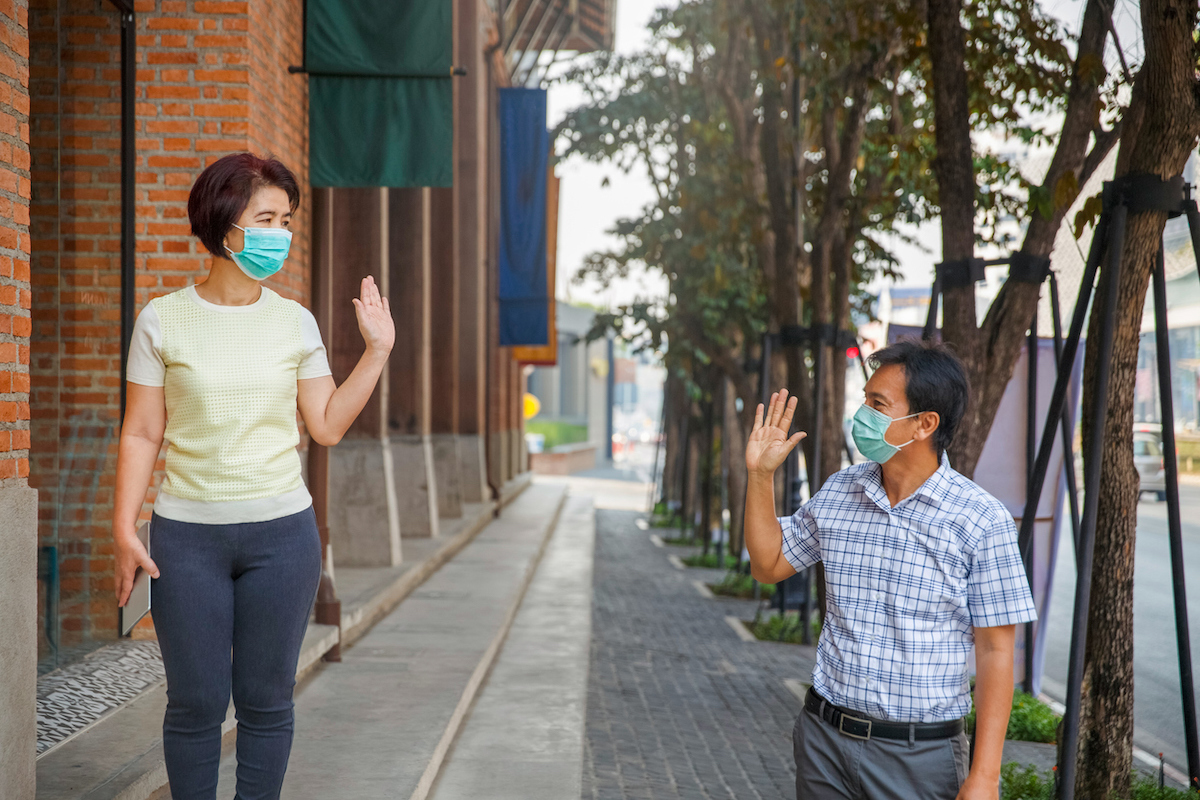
{"points": [[933, 489]]}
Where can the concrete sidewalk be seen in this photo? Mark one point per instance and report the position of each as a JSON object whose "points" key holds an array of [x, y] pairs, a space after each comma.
{"points": [[524, 737], [380, 724]]}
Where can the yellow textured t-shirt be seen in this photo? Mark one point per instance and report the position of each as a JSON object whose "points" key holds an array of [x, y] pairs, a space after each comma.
{"points": [[229, 382]]}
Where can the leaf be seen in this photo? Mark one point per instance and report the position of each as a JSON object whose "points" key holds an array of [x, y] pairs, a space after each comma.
{"points": [[1088, 213]]}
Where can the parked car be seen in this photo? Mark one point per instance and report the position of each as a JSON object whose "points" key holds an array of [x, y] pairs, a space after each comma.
{"points": [[1148, 458]]}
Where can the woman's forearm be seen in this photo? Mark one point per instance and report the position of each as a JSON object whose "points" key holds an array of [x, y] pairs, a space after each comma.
{"points": [[764, 538], [136, 457], [348, 400]]}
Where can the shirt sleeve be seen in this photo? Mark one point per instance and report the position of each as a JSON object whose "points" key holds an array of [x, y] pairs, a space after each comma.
{"points": [[997, 589], [315, 364], [145, 366], [801, 547]]}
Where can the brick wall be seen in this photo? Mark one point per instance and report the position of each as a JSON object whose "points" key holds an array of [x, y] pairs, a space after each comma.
{"points": [[206, 87], [15, 297]]}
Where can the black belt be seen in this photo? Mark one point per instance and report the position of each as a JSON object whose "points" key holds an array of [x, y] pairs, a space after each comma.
{"points": [[860, 726]]}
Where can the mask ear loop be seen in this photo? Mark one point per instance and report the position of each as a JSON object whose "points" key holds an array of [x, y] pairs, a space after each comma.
{"points": [[910, 441]]}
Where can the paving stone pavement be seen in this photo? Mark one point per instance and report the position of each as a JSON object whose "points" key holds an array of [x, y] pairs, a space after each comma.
{"points": [[678, 706]]}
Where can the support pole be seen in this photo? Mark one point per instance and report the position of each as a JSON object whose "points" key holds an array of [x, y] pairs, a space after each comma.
{"points": [[1058, 397], [1091, 505], [1068, 420], [1174, 526], [1030, 458]]}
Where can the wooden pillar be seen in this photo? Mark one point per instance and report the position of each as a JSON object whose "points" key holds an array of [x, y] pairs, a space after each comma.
{"points": [[409, 413], [444, 353], [364, 521], [471, 226]]}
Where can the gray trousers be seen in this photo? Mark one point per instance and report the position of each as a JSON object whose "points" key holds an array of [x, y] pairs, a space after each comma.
{"points": [[833, 766]]}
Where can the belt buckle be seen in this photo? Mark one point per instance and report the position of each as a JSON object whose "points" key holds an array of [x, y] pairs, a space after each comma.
{"points": [[842, 727]]}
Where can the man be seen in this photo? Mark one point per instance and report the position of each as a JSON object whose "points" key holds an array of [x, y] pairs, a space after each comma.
{"points": [[920, 565]]}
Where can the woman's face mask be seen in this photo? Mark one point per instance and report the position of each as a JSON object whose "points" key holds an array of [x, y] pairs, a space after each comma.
{"points": [[264, 251], [870, 430]]}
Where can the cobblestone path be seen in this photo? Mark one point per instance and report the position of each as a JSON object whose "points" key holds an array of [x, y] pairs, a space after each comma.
{"points": [[678, 705]]}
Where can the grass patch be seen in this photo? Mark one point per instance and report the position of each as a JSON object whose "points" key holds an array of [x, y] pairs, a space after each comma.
{"points": [[1031, 720], [557, 433], [776, 628], [709, 561], [735, 584], [1019, 782]]}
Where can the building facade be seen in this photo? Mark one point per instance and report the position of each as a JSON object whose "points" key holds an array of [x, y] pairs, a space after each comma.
{"points": [[109, 109]]}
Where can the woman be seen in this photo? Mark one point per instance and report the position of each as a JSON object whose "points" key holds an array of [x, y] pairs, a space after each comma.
{"points": [[218, 370]]}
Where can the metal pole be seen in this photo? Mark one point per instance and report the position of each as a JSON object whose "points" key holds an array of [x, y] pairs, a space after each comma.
{"points": [[128, 184], [1091, 502], [1062, 382], [1068, 420], [1171, 462], [817, 477], [610, 391], [1031, 492]]}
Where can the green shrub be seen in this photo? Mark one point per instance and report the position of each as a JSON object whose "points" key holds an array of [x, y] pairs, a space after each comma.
{"points": [[710, 561], [736, 584], [1021, 782], [776, 628], [1031, 720]]}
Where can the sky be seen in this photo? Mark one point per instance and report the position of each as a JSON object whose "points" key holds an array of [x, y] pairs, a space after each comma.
{"points": [[588, 208]]}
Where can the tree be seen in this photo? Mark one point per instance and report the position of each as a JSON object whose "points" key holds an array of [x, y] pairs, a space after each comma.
{"points": [[1020, 66], [1160, 131]]}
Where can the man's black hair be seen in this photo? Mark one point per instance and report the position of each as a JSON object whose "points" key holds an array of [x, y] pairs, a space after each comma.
{"points": [[934, 380]]}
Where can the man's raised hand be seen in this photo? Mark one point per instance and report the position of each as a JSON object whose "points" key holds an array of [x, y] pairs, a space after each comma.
{"points": [[769, 443]]}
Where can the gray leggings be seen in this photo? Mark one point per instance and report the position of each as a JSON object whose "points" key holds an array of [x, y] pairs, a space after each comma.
{"points": [[245, 588]]}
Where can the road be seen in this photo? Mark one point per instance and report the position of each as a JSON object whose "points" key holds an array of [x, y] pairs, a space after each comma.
{"points": [[1158, 715]]}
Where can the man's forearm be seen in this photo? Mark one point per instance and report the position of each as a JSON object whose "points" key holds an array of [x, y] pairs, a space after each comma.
{"points": [[764, 538], [993, 704]]}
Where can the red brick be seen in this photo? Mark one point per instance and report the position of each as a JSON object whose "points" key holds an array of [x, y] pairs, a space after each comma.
{"points": [[214, 7]]}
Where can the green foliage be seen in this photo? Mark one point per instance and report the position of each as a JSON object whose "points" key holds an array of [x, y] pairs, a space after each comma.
{"points": [[1030, 720], [788, 628], [710, 561], [557, 433], [738, 584], [1023, 782]]}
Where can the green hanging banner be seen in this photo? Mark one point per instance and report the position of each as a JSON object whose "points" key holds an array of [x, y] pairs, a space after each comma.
{"points": [[380, 95]]}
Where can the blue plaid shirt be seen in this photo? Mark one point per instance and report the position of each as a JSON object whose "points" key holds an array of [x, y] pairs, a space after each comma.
{"points": [[905, 587]]}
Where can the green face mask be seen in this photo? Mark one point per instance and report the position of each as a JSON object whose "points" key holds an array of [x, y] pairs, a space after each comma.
{"points": [[869, 430]]}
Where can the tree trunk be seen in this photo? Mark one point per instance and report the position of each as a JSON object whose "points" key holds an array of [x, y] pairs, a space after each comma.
{"points": [[1161, 130], [733, 443], [955, 169], [691, 476], [990, 352], [672, 396]]}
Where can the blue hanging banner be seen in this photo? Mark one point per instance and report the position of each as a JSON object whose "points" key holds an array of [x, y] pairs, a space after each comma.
{"points": [[524, 160]]}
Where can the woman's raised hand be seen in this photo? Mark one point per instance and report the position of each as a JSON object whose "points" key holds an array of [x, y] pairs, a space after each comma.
{"points": [[375, 318], [769, 443]]}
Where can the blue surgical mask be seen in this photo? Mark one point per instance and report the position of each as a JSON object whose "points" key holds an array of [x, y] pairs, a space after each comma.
{"points": [[264, 251], [869, 432]]}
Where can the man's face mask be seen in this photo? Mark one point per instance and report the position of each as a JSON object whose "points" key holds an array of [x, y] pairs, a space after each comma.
{"points": [[869, 432]]}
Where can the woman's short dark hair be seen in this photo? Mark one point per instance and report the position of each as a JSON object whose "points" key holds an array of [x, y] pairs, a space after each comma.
{"points": [[220, 195], [934, 380]]}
